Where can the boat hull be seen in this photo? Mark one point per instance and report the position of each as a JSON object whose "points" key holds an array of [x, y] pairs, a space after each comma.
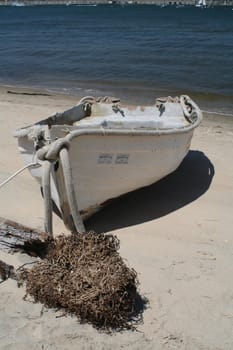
{"points": [[108, 152], [107, 166]]}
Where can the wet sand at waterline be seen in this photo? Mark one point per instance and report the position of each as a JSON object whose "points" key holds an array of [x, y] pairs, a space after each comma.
{"points": [[177, 234]]}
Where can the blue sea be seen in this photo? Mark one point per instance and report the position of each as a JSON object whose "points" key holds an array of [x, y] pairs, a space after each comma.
{"points": [[135, 52]]}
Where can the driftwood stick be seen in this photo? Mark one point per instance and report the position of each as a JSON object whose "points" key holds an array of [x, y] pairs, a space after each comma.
{"points": [[15, 237], [28, 93]]}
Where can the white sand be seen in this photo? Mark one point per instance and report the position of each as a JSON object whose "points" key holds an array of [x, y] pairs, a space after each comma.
{"points": [[177, 235]]}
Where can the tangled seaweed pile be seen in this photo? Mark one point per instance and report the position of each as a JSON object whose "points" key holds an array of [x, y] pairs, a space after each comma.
{"points": [[85, 275]]}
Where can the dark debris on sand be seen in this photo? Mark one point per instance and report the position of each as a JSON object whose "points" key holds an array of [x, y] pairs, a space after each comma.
{"points": [[85, 275]]}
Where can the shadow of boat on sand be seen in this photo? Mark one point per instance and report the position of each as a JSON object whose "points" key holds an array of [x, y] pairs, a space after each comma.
{"points": [[191, 180]]}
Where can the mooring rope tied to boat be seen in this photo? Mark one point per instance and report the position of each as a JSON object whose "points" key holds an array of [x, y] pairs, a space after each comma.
{"points": [[34, 164], [49, 154]]}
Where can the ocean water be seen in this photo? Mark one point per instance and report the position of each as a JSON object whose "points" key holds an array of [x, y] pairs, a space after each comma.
{"points": [[134, 52]]}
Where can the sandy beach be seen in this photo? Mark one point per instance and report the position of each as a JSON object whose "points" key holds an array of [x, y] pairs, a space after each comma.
{"points": [[177, 234]]}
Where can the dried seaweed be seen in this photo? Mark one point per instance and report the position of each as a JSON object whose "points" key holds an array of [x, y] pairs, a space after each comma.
{"points": [[85, 275]]}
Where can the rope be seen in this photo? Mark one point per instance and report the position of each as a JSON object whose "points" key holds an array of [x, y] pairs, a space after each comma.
{"points": [[51, 151], [190, 109], [48, 224], [17, 173], [48, 154], [65, 161]]}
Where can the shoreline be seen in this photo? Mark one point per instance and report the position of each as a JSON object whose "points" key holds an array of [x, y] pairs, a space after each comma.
{"points": [[74, 98], [159, 3]]}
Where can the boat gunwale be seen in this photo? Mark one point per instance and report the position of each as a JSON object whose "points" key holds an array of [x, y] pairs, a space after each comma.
{"points": [[130, 132], [75, 130]]}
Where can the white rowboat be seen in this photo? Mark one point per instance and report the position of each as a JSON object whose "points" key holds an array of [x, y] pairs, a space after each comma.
{"points": [[99, 150]]}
